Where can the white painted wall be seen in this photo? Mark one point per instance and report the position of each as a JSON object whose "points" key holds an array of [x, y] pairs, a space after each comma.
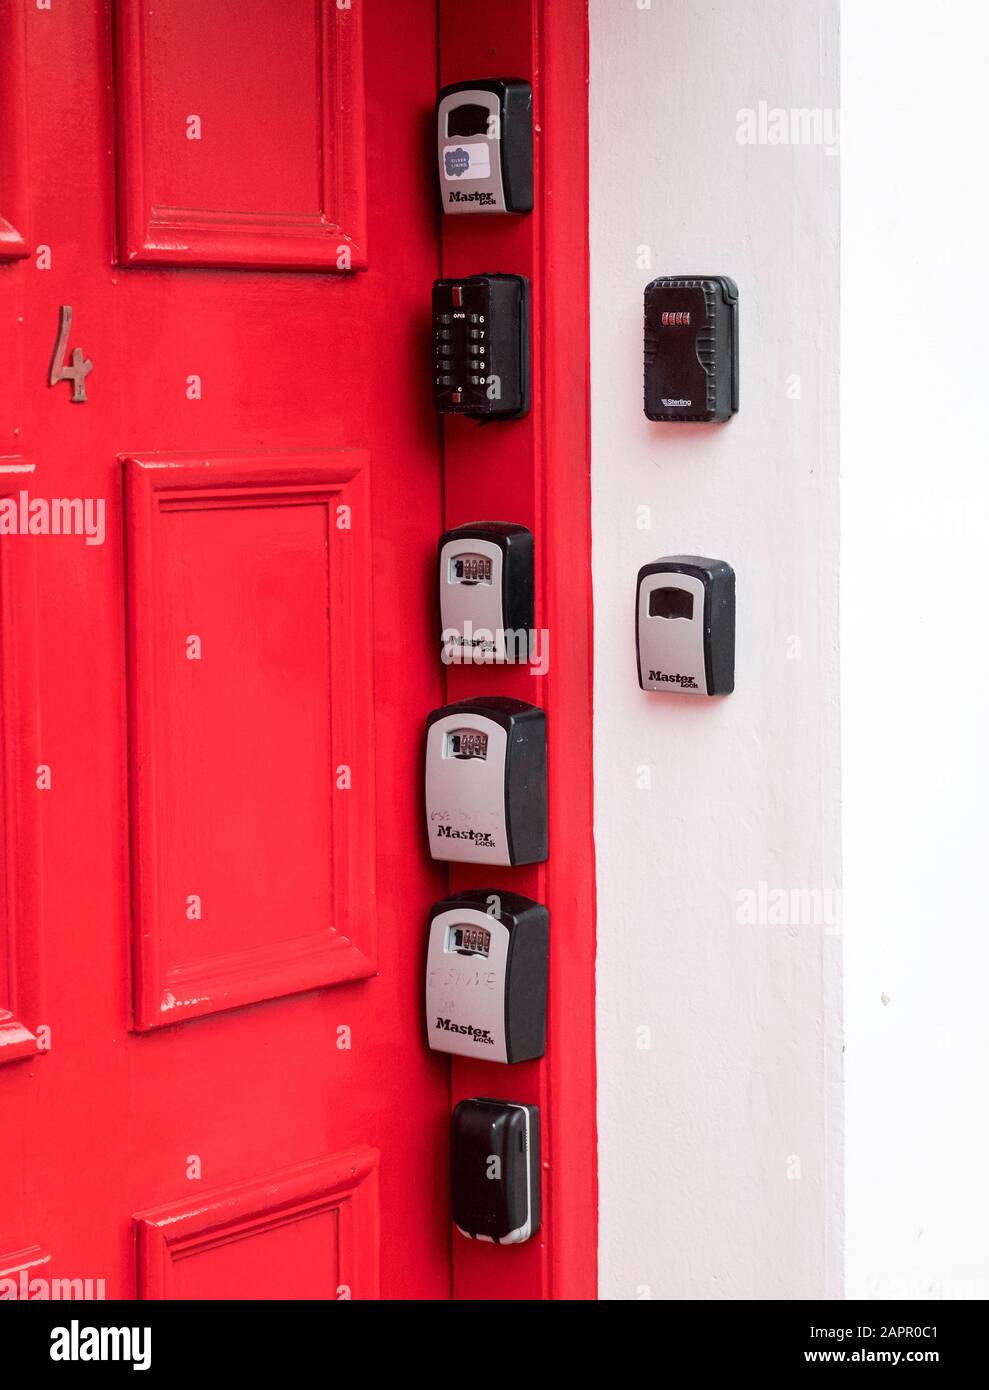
{"points": [[915, 667], [719, 1059]]}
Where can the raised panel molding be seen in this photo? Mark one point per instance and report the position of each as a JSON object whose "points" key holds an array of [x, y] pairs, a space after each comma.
{"points": [[236, 804], [319, 1220], [298, 205], [21, 956], [13, 132]]}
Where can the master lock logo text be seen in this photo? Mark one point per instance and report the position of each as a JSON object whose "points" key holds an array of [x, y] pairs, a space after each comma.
{"points": [[481, 838], [687, 682], [481, 1035], [484, 200]]}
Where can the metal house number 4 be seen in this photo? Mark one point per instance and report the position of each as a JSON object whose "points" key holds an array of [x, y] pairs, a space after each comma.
{"points": [[81, 366]]}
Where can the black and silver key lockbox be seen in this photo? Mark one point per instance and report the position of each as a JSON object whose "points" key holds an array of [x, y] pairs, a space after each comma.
{"points": [[486, 782], [495, 1170], [691, 348], [487, 962], [481, 346], [487, 590], [685, 625], [484, 145]]}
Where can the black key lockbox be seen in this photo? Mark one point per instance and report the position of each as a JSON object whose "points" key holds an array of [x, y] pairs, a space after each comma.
{"points": [[495, 1170], [691, 348], [481, 346]]}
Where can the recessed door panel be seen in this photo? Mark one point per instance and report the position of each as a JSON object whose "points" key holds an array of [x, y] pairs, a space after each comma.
{"points": [[241, 133], [251, 696], [306, 1233]]}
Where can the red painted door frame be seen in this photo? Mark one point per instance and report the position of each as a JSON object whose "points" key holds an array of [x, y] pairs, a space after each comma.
{"points": [[536, 471]]}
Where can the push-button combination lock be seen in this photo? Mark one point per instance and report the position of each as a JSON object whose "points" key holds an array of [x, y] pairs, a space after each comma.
{"points": [[481, 346]]}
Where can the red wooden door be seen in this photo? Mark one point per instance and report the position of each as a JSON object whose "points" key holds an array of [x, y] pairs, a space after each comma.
{"points": [[212, 878]]}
